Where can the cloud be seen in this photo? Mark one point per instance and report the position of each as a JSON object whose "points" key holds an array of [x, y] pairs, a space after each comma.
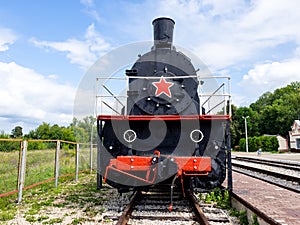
{"points": [[28, 97], [7, 37], [227, 33], [82, 52], [90, 9], [87, 3], [270, 76]]}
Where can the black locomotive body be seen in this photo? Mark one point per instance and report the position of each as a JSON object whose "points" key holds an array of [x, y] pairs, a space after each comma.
{"points": [[163, 133]]}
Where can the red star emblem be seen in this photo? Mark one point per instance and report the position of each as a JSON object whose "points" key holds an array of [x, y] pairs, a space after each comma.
{"points": [[163, 87]]}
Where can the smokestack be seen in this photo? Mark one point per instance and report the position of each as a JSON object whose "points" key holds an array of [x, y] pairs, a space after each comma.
{"points": [[163, 32]]}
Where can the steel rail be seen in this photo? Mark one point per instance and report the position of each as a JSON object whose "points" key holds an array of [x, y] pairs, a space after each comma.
{"points": [[275, 163], [271, 173], [128, 210], [198, 211], [266, 180]]}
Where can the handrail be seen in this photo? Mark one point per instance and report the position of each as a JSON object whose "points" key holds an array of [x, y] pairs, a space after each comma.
{"points": [[112, 94], [213, 94], [205, 97], [111, 107], [215, 106]]}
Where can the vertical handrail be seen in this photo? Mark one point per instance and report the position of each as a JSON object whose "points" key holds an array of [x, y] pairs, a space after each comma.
{"points": [[229, 91], [22, 171]]}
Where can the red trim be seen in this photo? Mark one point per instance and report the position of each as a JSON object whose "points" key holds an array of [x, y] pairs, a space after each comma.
{"points": [[187, 166], [164, 117]]}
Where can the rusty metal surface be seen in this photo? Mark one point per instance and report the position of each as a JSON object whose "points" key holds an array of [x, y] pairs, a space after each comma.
{"points": [[198, 211]]}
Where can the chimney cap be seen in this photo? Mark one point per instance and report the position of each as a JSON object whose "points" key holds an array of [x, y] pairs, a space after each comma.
{"points": [[162, 18]]}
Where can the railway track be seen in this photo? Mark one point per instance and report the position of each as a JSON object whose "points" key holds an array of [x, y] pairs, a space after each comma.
{"points": [[284, 174], [152, 207], [285, 164]]}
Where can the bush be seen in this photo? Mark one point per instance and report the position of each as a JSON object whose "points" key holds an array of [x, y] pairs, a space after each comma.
{"points": [[266, 143]]}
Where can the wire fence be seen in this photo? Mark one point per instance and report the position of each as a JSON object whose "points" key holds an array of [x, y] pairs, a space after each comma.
{"points": [[28, 163]]}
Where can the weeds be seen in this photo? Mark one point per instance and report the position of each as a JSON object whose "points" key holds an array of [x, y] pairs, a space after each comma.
{"points": [[221, 198], [78, 200]]}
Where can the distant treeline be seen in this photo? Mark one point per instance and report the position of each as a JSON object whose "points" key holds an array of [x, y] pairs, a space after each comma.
{"points": [[82, 131], [273, 113]]}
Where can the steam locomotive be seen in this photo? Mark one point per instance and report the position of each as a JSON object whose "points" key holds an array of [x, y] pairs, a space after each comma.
{"points": [[164, 135]]}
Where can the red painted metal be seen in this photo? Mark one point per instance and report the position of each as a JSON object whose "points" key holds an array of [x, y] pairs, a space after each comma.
{"points": [[193, 166], [163, 117], [187, 166]]}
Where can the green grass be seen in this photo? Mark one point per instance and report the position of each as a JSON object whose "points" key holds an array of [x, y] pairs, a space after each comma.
{"points": [[40, 166], [8, 171], [69, 195]]}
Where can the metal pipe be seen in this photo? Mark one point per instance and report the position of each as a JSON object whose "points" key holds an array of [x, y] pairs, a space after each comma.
{"points": [[112, 94], [213, 94], [111, 107], [229, 91], [215, 106], [246, 133]]}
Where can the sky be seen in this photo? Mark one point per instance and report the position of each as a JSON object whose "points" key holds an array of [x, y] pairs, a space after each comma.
{"points": [[47, 47]]}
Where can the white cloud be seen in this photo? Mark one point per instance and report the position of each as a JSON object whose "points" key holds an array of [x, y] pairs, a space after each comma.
{"points": [[269, 76], [90, 9], [82, 52], [7, 37], [88, 3], [226, 33], [28, 97]]}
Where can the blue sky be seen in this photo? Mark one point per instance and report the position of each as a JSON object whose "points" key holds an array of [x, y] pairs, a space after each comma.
{"points": [[47, 46]]}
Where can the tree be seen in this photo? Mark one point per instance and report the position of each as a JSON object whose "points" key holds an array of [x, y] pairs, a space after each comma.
{"points": [[17, 132], [85, 130], [238, 123], [278, 110], [43, 131]]}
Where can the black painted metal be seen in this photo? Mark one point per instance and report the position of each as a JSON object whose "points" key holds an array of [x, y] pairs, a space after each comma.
{"points": [[163, 31]]}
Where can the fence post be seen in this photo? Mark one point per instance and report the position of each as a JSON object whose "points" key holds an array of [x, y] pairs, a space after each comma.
{"points": [[19, 164], [91, 157], [56, 172], [77, 162], [22, 171]]}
